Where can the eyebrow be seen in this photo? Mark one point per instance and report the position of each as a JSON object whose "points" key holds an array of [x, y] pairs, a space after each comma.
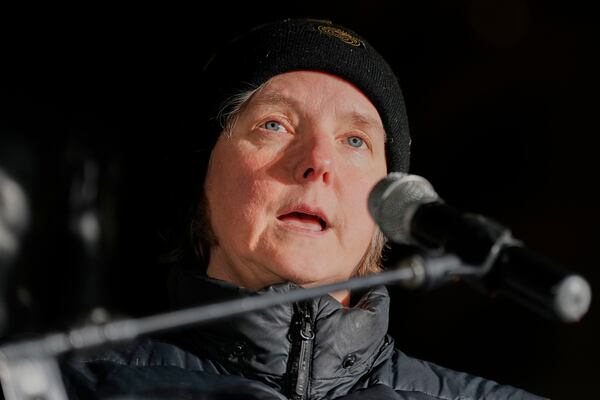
{"points": [[361, 119], [355, 117], [274, 99]]}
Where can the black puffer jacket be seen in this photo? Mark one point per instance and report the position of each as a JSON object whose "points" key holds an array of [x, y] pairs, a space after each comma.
{"points": [[314, 350]]}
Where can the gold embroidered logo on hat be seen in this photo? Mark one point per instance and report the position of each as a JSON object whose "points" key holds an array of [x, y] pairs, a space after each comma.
{"points": [[341, 34]]}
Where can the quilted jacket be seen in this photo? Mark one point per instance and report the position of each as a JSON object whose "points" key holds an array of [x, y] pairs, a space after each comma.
{"points": [[315, 350]]}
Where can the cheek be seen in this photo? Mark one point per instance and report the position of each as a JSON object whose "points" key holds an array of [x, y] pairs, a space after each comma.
{"points": [[358, 217], [252, 199], [236, 193]]}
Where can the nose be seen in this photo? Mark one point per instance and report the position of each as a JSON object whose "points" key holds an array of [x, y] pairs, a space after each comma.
{"points": [[316, 160]]}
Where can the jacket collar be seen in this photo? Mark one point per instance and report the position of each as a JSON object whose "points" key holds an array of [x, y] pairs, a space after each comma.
{"points": [[258, 343]]}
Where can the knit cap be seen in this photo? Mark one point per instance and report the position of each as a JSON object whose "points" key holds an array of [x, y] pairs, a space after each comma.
{"points": [[307, 44]]}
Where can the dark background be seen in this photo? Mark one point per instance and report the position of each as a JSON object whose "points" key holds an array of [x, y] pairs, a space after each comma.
{"points": [[502, 100]]}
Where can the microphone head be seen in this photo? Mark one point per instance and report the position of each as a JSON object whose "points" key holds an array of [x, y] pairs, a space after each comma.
{"points": [[393, 201], [573, 296]]}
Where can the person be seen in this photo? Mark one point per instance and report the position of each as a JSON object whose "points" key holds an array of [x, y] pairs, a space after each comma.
{"points": [[302, 118]]}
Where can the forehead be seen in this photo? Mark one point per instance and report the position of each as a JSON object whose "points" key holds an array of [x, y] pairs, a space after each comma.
{"points": [[318, 92]]}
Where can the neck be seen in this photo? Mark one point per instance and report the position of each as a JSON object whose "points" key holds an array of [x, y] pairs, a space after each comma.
{"points": [[218, 268], [343, 297], [223, 268]]}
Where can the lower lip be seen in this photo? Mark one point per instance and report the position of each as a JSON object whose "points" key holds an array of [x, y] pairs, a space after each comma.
{"points": [[298, 229]]}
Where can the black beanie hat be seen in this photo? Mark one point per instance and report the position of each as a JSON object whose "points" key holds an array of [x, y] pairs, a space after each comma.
{"points": [[308, 44]]}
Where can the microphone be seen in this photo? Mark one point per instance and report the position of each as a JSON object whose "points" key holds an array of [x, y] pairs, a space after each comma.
{"points": [[409, 211]]}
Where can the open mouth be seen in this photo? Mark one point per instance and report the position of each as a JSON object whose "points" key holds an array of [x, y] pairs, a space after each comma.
{"points": [[304, 221]]}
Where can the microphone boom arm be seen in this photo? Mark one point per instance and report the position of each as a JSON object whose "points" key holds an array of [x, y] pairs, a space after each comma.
{"points": [[28, 369]]}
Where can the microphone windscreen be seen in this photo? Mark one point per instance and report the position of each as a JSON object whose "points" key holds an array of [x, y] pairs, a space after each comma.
{"points": [[394, 199]]}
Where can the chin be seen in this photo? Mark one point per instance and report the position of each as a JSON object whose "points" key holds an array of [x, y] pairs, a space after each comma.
{"points": [[311, 272]]}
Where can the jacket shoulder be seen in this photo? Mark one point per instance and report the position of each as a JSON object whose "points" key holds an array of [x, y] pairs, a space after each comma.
{"points": [[155, 370], [412, 378]]}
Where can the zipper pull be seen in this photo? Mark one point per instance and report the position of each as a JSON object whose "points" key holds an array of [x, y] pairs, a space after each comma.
{"points": [[307, 330], [305, 360]]}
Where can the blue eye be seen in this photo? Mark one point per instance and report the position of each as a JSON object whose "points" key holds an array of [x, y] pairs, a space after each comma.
{"points": [[274, 126], [355, 141]]}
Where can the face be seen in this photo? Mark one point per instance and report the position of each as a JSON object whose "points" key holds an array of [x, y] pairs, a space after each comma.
{"points": [[287, 188]]}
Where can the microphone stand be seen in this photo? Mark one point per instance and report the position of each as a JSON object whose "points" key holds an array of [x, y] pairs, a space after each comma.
{"points": [[29, 369]]}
